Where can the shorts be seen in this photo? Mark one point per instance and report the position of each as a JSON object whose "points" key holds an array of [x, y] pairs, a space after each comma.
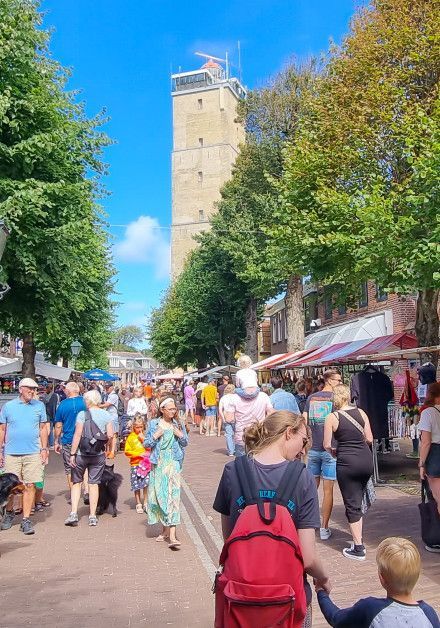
{"points": [[432, 463], [189, 407], [115, 423], [211, 411], [28, 467], [66, 459], [95, 465], [322, 464]]}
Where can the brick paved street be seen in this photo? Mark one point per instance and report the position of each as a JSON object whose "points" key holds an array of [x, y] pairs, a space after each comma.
{"points": [[117, 575]]}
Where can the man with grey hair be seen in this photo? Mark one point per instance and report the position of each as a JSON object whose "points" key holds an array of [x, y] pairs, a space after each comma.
{"points": [[23, 429], [65, 420], [93, 435]]}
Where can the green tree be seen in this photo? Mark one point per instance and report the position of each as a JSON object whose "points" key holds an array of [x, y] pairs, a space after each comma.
{"points": [[127, 338], [272, 116], [361, 187], [201, 318], [57, 260]]}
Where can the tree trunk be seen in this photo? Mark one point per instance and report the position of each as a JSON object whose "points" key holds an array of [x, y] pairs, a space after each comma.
{"points": [[251, 342], [65, 362], [221, 354], [427, 321], [28, 367], [294, 314]]}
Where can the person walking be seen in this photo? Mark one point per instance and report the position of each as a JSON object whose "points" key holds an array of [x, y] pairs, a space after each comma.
{"points": [[225, 399], [225, 382], [322, 464], [209, 402], [111, 403], [167, 440], [429, 464], [188, 395], [271, 444], [65, 421], [24, 433], [281, 399], [89, 453], [137, 404], [200, 413], [354, 461], [139, 463]]}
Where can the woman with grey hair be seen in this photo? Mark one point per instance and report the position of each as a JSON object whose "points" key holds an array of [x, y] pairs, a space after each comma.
{"points": [[89, 456]]}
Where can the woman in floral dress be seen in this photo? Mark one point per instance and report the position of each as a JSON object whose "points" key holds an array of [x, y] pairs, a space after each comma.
{"points": [[166, 438]]}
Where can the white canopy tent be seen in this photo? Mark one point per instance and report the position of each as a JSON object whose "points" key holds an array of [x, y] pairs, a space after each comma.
{"points": [[10, 366]]}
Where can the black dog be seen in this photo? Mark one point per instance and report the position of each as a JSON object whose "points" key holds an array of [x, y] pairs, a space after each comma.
{"points": [[9, 485], [108, 490]]}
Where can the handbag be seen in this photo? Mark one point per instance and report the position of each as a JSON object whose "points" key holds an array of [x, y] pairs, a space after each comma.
{"points": [[429, 517], [369, 496]]}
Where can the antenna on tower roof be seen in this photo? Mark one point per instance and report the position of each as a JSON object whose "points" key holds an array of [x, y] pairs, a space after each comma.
{"points": [[239, 62], [211, 57]]}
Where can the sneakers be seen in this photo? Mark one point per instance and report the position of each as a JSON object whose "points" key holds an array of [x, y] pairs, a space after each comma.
{"points": [[139, 509], [72, 520], [434, 549], [325, 534], [93, 521], [26, 527], [8, 520], [355, 552]]}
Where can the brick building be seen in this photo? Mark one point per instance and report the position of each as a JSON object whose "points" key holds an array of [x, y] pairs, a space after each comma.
{"points": [[376, 314]]}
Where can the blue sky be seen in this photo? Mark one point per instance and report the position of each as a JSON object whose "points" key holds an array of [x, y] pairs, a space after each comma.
{"points": [[121, 55]]}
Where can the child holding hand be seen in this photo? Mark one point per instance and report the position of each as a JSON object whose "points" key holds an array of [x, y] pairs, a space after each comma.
{"points": [[139, 462]]}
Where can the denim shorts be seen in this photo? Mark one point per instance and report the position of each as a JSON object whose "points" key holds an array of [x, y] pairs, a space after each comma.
{"points": [[322, 464], [432, 463], [211, 411]]}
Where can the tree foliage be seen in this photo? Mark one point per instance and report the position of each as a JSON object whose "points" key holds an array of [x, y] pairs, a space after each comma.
{"points": [[201, 317], [57, 260], [360, 192], [127, 337]]}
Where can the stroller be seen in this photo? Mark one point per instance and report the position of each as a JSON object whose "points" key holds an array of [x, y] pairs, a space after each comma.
{"points": [[125, 423]]}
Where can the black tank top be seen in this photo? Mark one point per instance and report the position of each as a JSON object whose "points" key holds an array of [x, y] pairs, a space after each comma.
{"points": [[350, 439]]}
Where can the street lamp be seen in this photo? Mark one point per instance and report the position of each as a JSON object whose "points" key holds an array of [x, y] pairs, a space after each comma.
{"points": [[4, 232], [75, 348]]}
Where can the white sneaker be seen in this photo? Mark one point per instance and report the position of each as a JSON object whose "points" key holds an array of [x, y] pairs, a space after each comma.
{"points": [[434, 549], [325, 534]]}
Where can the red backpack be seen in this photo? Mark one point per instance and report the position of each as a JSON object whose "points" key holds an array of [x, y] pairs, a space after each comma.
{"points": [[260, 582]]}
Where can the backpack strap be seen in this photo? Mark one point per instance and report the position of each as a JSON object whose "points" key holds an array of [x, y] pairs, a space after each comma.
{"points": [[289, 481], [248, 487]]}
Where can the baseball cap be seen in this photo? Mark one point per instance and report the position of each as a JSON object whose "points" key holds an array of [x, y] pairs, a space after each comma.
{"points": [[29, 382]]}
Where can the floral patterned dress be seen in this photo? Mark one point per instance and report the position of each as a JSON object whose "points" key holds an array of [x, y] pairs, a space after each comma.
{"points": [[164, 486]]}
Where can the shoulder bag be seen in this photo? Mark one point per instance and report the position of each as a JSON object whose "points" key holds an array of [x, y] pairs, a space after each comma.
{"points": [[369, 496]]}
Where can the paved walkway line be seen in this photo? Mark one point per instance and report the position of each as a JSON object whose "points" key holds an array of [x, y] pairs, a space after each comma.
{"points": [[218, 542], [205, 558]]}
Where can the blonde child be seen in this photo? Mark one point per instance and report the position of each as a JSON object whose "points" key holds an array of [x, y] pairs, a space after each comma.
{"points": [[398, 564], [139, 462]]}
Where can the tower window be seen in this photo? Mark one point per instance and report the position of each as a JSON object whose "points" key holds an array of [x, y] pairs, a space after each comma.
{"points": [[200, 103], [201, 215], [200, 141], [200, 176]]}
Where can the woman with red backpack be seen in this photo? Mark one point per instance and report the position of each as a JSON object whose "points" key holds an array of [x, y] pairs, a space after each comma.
{"points": [[270, 511]]}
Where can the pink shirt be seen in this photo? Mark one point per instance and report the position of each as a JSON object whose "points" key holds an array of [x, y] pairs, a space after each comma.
{"points": [[189, 395], [247, 411]]}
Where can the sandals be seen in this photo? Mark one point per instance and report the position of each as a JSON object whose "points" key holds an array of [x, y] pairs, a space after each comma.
{"points": [[161, 538], [40, 505], [18, 511], [139, 509], [174, 544]]}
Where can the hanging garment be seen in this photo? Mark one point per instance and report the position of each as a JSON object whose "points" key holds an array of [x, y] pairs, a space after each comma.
{"points": [[372, 390]]}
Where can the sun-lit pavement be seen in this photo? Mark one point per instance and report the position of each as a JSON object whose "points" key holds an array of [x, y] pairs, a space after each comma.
{"points": [[117, 575]]}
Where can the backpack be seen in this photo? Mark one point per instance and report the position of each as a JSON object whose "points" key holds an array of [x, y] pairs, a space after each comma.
{"points": [[120, 407], [260, 581], [93, 440]]}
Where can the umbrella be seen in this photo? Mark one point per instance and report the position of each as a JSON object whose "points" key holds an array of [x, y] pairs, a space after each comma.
{"points": [[100, 375]]}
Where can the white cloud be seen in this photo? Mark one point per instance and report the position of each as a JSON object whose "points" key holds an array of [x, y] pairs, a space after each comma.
{"points": [[145, 243]]}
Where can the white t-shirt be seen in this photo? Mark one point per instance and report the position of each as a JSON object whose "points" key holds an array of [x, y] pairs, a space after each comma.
{"points": [[246, 378], [430, 422], [137, 404], [113, 399], [247, 411], [224, 402]]}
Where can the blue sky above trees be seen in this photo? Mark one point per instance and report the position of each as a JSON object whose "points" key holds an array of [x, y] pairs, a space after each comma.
{"points": [[121, 55]]}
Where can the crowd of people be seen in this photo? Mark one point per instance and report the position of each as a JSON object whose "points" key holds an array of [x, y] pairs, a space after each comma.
{"points": [[313, 433]]}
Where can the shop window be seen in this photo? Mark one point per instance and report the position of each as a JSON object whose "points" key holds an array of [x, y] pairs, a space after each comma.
{"points": [[201, 215], [310, 310], [274, 329], [328, 305], [363, 298], [285, 324], [279, 332], [200, 141], [342, 309], [200, 103], [381, 295], [200, 177]]}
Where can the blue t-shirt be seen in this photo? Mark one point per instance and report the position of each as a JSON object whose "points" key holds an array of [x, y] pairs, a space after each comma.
{"points": [[66, 414], [23, 426], [283, 400], [100, 416]]}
